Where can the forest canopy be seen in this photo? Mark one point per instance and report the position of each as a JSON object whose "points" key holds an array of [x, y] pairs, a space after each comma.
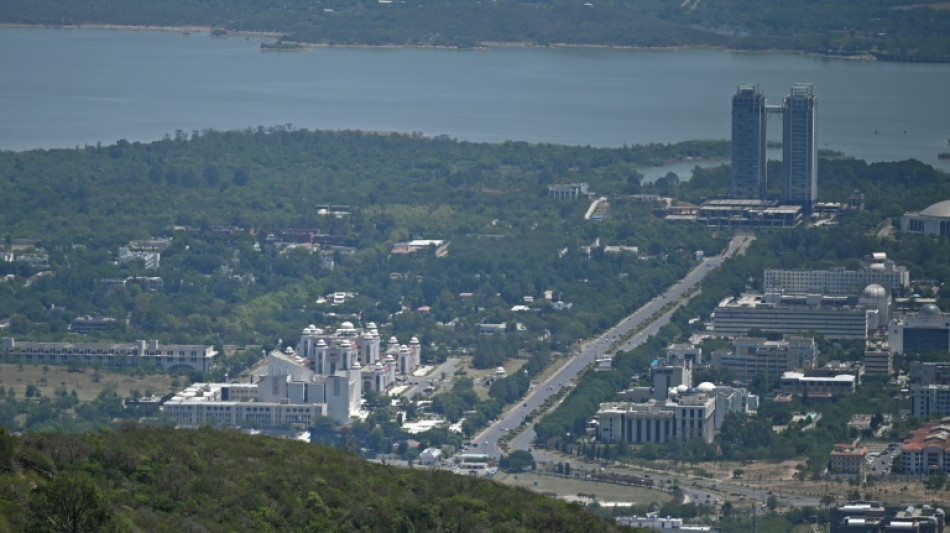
{"points": [[892, 29]]}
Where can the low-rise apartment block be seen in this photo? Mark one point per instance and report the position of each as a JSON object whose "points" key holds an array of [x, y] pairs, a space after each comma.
{"points": [[172, 357]]}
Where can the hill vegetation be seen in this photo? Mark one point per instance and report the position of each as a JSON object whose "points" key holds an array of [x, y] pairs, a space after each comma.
{"points": [[140, 479], [228, 198], [893, 29]]}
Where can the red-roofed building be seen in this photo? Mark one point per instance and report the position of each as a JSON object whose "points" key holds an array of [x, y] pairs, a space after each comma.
{"points": [[848, 459], [928, 449]]}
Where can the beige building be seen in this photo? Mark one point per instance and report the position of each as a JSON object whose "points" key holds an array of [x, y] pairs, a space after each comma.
{"points": [[849, 459]]}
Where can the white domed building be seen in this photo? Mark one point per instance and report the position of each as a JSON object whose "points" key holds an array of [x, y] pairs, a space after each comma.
{"points": [[353, 348], [934, 220]]}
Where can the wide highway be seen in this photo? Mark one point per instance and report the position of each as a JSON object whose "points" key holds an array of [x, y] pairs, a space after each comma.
{"points": [[609, 342]]}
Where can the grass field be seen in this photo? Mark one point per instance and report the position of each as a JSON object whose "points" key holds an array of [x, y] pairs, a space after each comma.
{"points": [[569, 488], [88, 383], [511, 365]]}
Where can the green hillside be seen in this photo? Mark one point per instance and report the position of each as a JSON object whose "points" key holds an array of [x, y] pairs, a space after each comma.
{"points": [[138, 479]]}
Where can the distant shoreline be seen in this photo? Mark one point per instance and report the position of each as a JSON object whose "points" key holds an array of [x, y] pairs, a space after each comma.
{"points": [[483, 46], [175, 29]]}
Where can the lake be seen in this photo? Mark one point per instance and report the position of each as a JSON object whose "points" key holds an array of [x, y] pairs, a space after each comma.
{"points": [[72, 87]]}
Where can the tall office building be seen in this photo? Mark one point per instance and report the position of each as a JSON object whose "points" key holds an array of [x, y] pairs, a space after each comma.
{"points": [[799, 149], [748, 179]]}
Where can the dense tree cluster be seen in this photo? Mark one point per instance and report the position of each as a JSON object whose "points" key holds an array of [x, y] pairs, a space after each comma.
{"points": [[225, 197], [891, 29], [138, 479]]}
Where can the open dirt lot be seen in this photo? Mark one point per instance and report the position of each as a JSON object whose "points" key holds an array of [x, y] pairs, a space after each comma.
{"points": [[570, 488]]}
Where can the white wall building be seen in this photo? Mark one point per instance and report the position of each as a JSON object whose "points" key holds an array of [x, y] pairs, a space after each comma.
{"points": [[930, 389], [172, 357], [287, 394], [682, 417], [730, 400], [927, 330], [876, 269], [659, 523], [752, 356], [152, 259], [834, 317], [798, 384], [934, 220], [929, 400]]}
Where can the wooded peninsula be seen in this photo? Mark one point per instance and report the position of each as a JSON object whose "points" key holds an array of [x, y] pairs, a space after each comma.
{"points": [[890, 29]]}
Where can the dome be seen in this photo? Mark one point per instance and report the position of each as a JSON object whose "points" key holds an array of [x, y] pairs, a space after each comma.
{"points": [[705, 387], [875, 291], [346, 325], [929, 309], [681, 388], [672, 391], [371, 325], [938, 210]]}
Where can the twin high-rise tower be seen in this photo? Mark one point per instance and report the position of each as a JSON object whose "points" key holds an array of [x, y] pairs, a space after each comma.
{"points": [[799, 149]]}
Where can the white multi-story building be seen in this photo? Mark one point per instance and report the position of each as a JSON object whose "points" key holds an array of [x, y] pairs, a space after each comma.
{"points": [[752, 356], [152, 259], [171, 357], [730, 400], [659, 523], [688, 352], [287, 394], [798, 384], [329, 352], [670, 374], [834, 317], [567, 191], [878, 359], [927, 330], [876, 269], [930, 389], [929, 400], [682, 417]]}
